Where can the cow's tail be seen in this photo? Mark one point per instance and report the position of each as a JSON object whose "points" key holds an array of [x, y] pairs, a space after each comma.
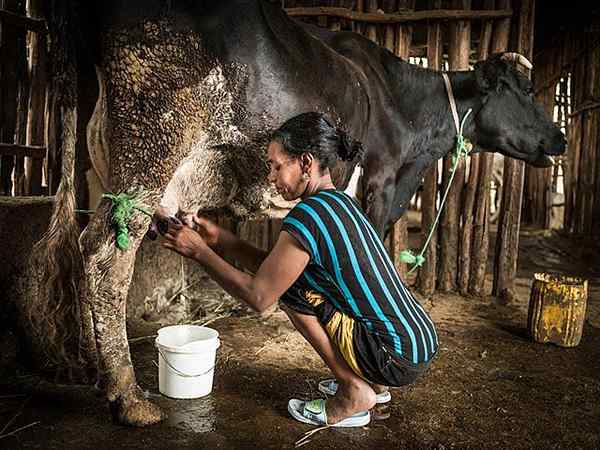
{"points": [[54, 313]]}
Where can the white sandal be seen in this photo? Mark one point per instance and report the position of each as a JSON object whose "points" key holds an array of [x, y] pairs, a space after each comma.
{"points": [[313, 412], [330, 386]]}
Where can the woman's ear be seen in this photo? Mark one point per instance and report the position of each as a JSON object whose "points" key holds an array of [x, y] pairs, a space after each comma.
{"points": [[306, 160]]}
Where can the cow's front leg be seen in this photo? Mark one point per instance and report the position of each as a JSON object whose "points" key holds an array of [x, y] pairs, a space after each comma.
{"points": [[377, 197], [108, 271]]}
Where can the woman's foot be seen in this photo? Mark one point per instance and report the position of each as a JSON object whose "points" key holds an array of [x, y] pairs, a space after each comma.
{"points": [[329, 386], [352, 397]]}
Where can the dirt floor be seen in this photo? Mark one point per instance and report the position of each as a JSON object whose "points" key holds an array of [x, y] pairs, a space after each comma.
{"points": [[489, 387]]}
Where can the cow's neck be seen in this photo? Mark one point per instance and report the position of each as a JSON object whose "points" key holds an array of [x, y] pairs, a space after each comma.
{"points": [[434, 129], [432, 132]]}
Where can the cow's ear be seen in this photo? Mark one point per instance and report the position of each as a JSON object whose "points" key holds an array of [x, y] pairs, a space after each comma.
{"points": [[486, 75]]}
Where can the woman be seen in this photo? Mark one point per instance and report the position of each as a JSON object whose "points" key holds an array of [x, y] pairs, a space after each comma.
{"points": [[331, 273]]}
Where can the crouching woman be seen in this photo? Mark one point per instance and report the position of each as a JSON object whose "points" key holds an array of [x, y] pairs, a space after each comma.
{"points": [[332, 275]]}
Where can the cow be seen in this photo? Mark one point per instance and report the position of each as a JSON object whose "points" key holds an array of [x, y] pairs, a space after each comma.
{"points": [[189, 93]]}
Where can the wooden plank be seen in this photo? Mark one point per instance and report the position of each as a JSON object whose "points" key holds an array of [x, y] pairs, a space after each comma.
{"points": [[507, 244], [20, 151], [36, 120], [427, 273], [21, 21], [400, 17], [458, 58], [479, 239]]}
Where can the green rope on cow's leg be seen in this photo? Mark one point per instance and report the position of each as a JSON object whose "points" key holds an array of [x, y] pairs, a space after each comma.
{"points": [[462, 149], [124, 207]]}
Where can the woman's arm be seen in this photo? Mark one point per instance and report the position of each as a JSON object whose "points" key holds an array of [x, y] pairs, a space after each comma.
{"points": [[245, 253], [227, 243], [282, 266]]}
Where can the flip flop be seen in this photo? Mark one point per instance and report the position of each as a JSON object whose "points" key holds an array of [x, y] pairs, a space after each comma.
{"points": [[330, 386], [313, 412]]}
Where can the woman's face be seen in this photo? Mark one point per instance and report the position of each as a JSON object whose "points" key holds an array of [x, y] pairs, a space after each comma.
{"points": [[285, 172]]}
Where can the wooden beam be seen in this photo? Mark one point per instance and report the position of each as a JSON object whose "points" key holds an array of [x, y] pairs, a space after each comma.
{"points": [[21, 21], [21, 151], [399, 17]]}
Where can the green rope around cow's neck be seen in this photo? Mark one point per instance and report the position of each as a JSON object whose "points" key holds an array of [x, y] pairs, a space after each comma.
{"points": [[462, 149], [124, 207]]}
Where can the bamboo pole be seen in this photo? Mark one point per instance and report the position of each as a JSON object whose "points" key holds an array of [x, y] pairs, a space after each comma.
{"points": [[427, 273], [400, 17], [470, 207], [507, 243], [481, 227], [37, 101], [459, 50]]}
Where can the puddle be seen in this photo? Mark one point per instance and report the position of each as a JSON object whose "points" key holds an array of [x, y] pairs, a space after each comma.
{"points": [[195, 416]]}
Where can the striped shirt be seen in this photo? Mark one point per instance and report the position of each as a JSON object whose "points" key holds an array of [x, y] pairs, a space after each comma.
{"points": [[351, 268]]}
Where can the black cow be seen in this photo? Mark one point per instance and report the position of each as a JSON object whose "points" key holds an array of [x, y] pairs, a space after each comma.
{"points": [[189, 92]]}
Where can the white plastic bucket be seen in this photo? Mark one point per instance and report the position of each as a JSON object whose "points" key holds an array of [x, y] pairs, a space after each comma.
{"points": [[186, 360]]}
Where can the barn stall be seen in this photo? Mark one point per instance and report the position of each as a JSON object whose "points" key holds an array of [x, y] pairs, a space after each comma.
{"points": [[503, 222]]}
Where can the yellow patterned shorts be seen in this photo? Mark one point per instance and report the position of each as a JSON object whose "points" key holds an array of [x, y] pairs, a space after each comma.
{"points": [[362, 349]]}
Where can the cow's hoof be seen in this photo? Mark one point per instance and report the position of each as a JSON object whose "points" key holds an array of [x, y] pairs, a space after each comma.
{"points": [[136, 412]]}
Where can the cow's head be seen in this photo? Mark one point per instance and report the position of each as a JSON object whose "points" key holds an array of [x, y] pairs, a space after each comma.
{"points": [[510, 121]]}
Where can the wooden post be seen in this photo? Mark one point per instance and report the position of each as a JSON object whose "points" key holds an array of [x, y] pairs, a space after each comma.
{"points": [[480, 248], [427, 273], [459, 49], [8, 95], [507, 243], [22, 104], [399, 232], [371, 29], [589, 166], [389, 32], [37, 102], [537, 198], [360, 7], [470, 208]]}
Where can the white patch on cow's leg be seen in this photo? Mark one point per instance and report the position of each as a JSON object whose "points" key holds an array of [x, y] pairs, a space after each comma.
{"points": [[108, 273], [96, 136]]}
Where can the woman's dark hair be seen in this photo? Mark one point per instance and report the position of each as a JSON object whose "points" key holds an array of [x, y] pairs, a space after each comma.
{"points": [[312, 133]]}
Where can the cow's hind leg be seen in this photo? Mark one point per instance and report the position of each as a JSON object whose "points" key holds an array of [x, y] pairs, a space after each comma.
{"points": [[108, 271]]}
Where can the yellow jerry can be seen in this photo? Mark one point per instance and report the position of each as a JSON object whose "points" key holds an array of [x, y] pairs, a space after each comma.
{"points": [[557, 309]]}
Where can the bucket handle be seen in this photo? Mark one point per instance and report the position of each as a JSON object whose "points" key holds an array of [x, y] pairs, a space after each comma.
{"points": [[179, 372]]}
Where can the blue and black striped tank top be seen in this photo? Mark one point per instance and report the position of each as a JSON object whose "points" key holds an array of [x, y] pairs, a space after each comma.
{"points": [[351, 268]]}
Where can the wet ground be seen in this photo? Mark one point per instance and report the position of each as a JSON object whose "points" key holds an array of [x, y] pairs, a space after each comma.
{"points": [[489, 387]]}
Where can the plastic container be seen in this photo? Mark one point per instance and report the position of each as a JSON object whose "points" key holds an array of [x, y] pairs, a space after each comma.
{"points": [[557, 309], [186, 360]]}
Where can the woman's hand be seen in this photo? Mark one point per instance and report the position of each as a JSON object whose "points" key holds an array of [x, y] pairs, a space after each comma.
{"points": [[209, 230], [185, 241]]}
